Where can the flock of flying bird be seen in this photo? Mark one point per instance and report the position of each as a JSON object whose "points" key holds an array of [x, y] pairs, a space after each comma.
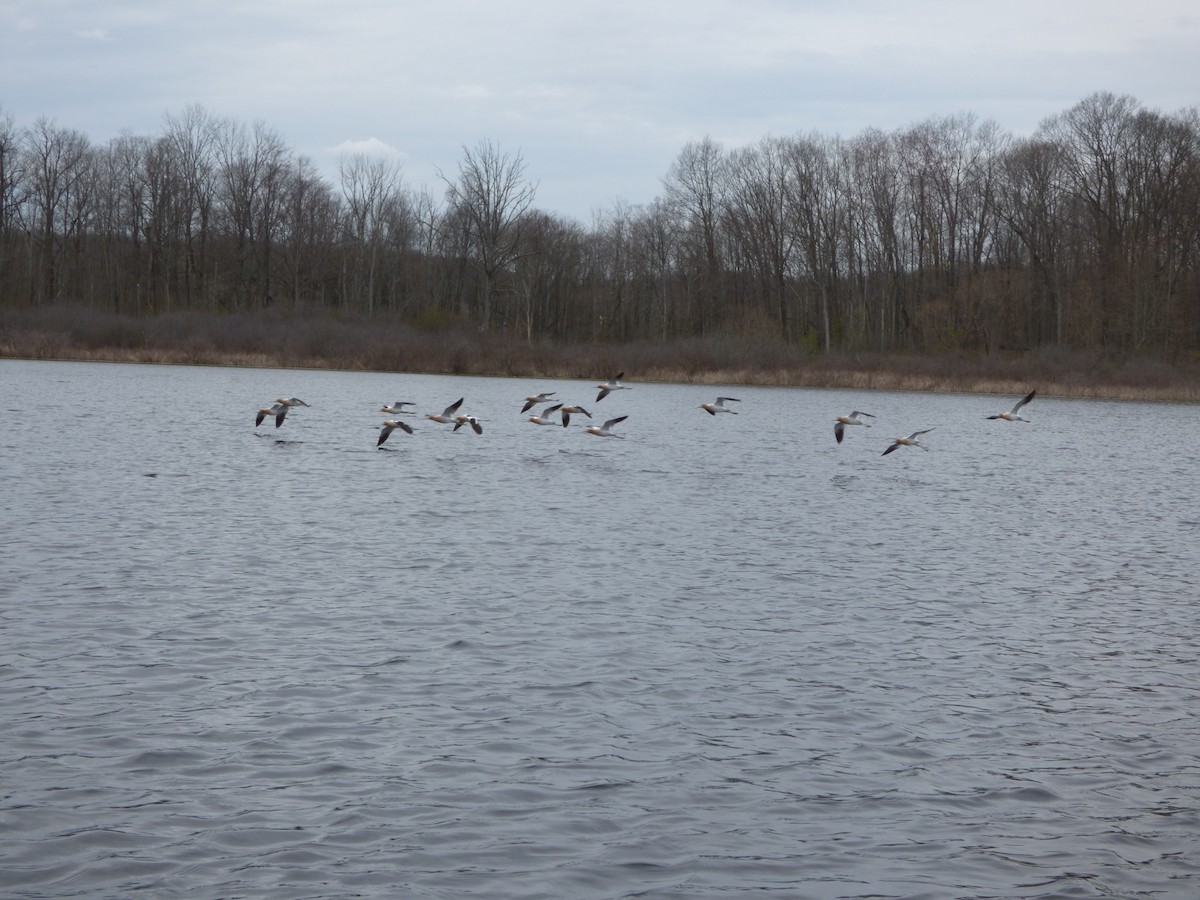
{"points": [[914, 439], [451, 416]]}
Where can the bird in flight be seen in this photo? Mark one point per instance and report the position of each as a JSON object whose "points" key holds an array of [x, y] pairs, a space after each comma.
{"points": [[460, 421], [910, 441], [278, 409], [389, 426], [1011, 415], [544, 417], [567, 411], [719, 407], [535, 399], [613, 384], [605, 430], [446, 416], [840, 423], [397, 408]]}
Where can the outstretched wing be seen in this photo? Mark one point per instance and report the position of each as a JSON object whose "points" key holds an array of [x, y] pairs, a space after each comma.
{"points": [[1028, 397]]}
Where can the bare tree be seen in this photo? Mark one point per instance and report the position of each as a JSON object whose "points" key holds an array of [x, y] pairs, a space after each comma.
{"points": [[1159, 175], [952, 170], [371, 188], [11, 179], [879, 198], [492, 196], [757, 210], [817, 198], [1097, 137], [253, 171], [55, 163], [121, 210], [1032, 207], [695, 187], [436, 279], [548, 271], [191, 139], [611, 291], [309, 237]]}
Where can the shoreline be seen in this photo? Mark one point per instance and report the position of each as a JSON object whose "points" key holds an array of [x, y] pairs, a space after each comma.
{"points": [[67, 333], [933, 375]]}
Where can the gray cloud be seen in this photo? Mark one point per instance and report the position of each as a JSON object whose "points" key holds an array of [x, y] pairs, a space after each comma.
{"points": [[598, 97]]}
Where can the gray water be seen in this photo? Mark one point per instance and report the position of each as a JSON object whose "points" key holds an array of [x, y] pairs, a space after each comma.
{"points": [[722, 656]]}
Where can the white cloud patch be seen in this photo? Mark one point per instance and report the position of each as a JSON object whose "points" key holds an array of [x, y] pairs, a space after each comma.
{"points": [[372, 146]]}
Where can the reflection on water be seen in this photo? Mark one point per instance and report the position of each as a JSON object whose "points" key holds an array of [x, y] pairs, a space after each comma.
{"points": [[725, 655]]}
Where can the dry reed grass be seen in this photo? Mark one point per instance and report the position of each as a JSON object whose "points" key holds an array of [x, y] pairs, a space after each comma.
{"points": [[269, 341]]}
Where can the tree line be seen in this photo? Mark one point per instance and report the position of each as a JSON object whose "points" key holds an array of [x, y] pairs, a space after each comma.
{"points": [[949, 235]]}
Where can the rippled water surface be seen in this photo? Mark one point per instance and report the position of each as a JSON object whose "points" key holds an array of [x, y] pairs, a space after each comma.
{"points": [[723, 656]]}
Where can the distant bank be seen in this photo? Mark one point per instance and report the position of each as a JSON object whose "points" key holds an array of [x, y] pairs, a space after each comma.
{"points": [[338, 343]]}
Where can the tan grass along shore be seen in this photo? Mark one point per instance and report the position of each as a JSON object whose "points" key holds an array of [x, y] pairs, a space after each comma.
{"points": [[337, 343]]}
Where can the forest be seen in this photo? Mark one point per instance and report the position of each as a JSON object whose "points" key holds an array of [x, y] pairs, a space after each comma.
{"points": [[948, 236]]}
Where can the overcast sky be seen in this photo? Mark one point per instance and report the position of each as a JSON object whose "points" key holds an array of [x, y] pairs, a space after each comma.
{"points": [[598, 98]]}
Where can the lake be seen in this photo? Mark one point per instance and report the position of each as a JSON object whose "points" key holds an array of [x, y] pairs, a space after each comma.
{"points": [[724, 655]]}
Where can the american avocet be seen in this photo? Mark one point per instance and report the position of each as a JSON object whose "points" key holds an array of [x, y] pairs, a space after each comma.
{"points": [[613, 384], [719, 407], [446, 417], [389, 426], [605, 430], [278, 409], [910, 441], [535, 399], [544, 417], [460, 421], [840, 423], [1011, 415], [566, 412], [397, 408]]}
